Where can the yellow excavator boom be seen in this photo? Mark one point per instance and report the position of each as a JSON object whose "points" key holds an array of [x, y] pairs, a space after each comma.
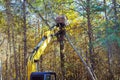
{"points": [[37, 52]]}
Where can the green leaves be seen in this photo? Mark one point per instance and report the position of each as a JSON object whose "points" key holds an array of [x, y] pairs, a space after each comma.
{"points": [[98, 8]]}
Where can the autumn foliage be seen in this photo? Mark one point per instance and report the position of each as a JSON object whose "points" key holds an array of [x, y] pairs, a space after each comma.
{"points": [[93, 27]]}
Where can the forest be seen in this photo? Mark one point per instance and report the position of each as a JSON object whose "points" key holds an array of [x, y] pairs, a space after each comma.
{"points": [[86, 47]]}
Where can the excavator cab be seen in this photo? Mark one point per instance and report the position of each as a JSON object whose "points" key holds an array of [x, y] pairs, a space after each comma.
{"points": [[43, 76]]}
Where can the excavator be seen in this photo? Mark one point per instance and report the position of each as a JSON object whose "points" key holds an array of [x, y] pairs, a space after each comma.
{"points": [[32, 73], [34, 58]]}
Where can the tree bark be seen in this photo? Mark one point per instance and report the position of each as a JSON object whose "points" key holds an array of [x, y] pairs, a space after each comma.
{"points": [[41, 60], [115, 13], [109, 48], [25, 37], [90, 35], [62, 59], [60, 37], [15, 53], [115, 45], [11, 26], [19, 51], [6, 65]]}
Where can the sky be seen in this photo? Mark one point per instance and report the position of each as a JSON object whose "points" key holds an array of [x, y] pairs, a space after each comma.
{"points": [[1, 8]]}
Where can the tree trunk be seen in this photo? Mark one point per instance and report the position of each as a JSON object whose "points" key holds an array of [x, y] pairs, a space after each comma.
{"points": [[10, 25], [24, 38], [60, 36], [41, 59], [115, 45], [62, 59], [15, 53], [116, 27], [90, 34], [109, 48], [6, 65], [115, 13], [19, 51]]}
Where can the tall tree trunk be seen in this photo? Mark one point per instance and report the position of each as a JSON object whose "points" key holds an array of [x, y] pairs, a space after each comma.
{"points": [[54, 56], [62, 59], [115, 45], [25, 37], [90, 36], [109, 48], [60, 22], [10, 25], [19, 61], [15, 53], [116, 27], [6, 65], [115, 13], [60, 36], [41, 59]]}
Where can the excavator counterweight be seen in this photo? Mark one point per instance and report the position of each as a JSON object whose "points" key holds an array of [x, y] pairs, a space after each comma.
{"points": [[43, 76]]}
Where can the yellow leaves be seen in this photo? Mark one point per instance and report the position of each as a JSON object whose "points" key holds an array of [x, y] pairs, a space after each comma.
{"points": [[2, 20], [73, 18], [69, 73], [71, 15], [74, 21]]}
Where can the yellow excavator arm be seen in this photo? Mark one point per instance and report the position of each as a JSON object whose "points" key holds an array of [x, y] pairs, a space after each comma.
{"points": [[39, 49], [37, 52]]}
